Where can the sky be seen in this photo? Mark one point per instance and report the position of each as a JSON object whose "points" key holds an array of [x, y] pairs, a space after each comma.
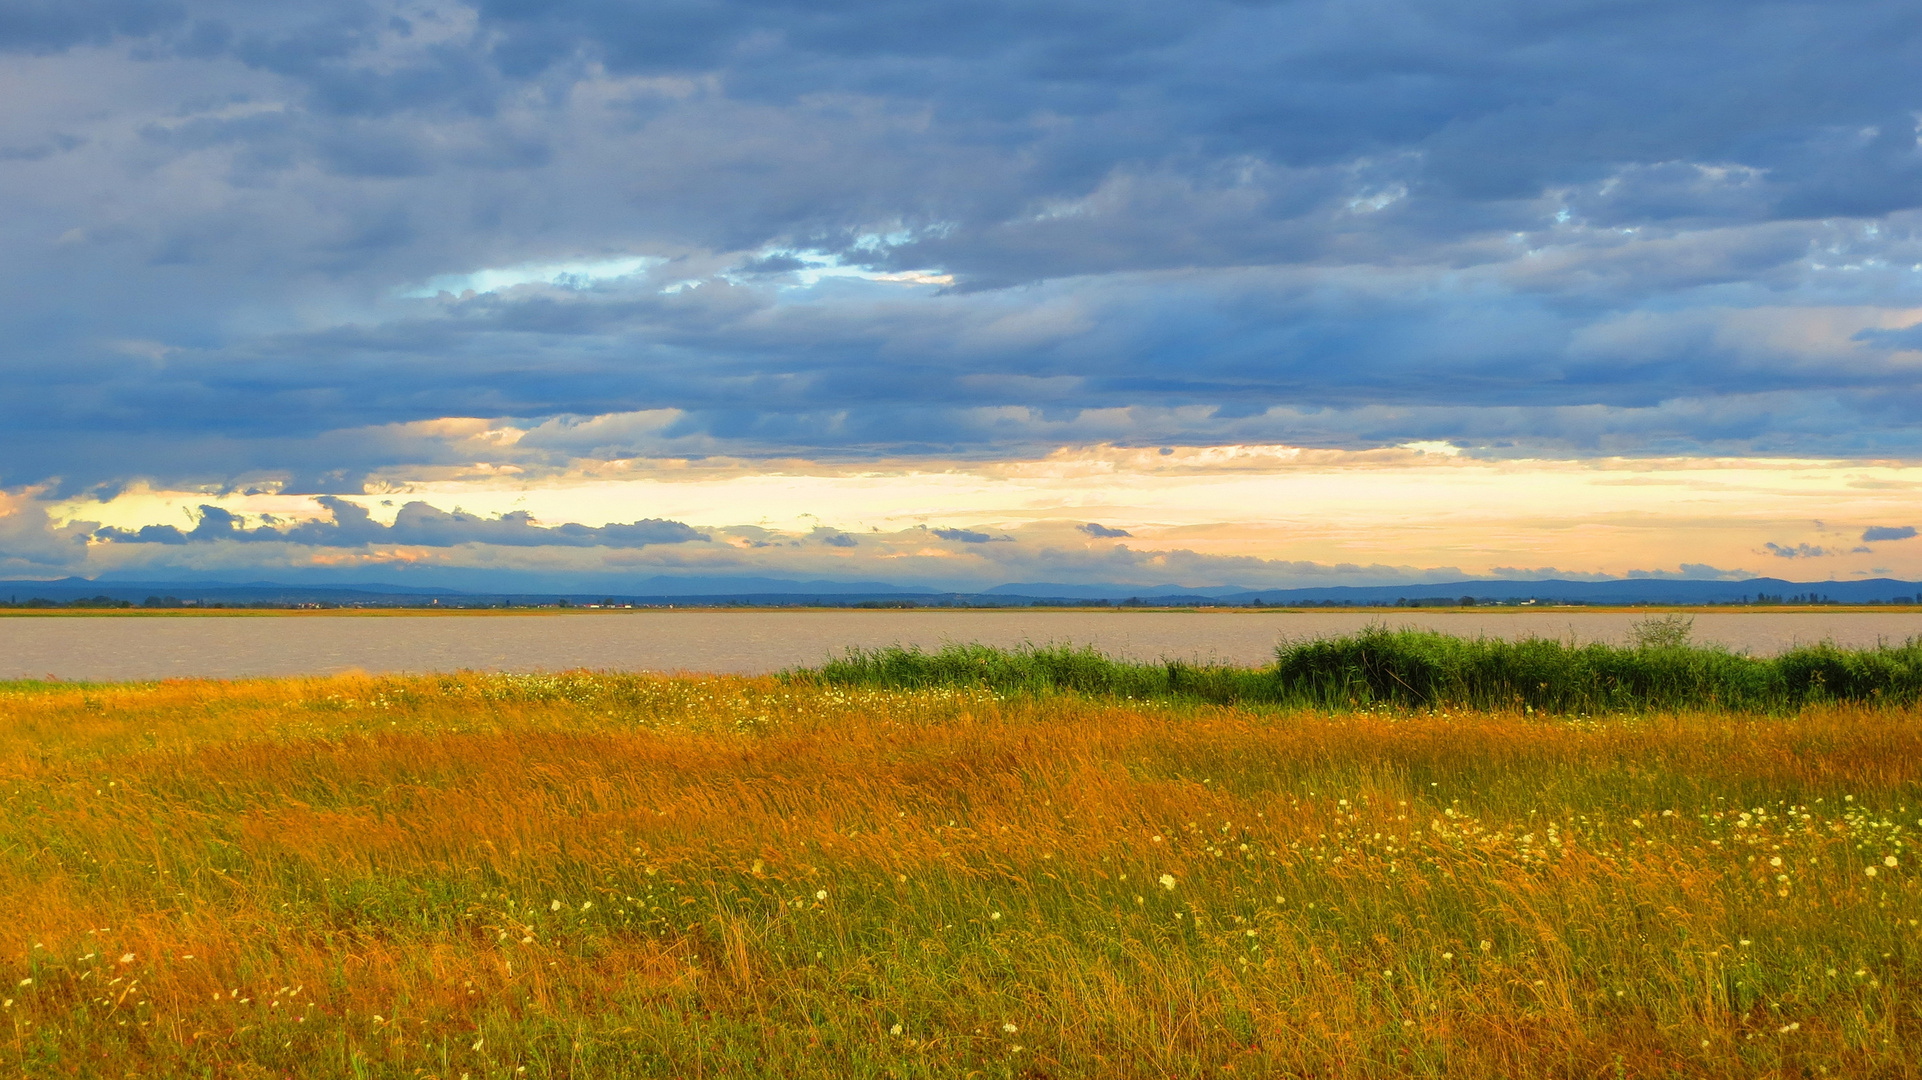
{"points": [[960, 294]]}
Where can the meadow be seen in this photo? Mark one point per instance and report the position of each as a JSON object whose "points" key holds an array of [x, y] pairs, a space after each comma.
{"points": [[834, 874]]}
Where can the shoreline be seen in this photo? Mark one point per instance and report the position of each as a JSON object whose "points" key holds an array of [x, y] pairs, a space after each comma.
{"points": [[772, 609]]}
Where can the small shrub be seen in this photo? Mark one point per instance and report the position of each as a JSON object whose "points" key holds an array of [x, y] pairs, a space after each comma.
{"points": [[1662, 632]]}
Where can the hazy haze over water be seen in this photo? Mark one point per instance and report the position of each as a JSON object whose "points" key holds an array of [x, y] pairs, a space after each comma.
{"points": [[212, 646]]}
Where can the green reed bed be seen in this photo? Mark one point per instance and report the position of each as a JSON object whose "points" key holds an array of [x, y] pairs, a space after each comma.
{"points": [[1660, 670]]}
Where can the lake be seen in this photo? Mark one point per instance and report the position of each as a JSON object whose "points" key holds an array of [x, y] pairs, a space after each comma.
{"points": [[233, 646]]}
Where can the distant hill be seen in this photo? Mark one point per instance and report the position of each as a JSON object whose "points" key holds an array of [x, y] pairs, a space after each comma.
{"points": [[1629, 591], [1621, 591], [767, 591], [207, 592]]}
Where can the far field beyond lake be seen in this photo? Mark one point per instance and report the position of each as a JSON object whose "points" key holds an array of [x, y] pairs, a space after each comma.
{"points": [[749, 642]]}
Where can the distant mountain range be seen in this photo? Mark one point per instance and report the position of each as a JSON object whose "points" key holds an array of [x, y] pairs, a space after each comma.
{"points": [[763, 591], [1623, 591]]}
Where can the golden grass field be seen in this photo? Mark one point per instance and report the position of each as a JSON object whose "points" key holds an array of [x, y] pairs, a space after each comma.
{"points": [[605, 876]]}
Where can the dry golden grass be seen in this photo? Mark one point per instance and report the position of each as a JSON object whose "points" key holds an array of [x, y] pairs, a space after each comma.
{"points": [[601, 876]]}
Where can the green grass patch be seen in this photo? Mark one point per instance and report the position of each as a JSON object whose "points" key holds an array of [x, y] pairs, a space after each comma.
{"points": [[1425, 669]]}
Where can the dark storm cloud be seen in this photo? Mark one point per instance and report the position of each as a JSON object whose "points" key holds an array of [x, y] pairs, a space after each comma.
{"points": [[417, 523], [1565, 227]]}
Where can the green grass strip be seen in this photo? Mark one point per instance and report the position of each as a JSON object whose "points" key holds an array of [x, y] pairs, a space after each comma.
{"points": [[1425, 669]]}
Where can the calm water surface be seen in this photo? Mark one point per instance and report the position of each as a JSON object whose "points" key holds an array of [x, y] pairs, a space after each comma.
{"points": [[113, 648]]}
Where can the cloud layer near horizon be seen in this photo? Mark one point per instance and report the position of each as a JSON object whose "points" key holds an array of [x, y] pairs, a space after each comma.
{"points": [[1250, 516], [277, 242]]}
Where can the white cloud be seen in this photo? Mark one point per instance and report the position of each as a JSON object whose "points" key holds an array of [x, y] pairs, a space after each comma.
{"points": [[579, 274], [813, 267]]}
